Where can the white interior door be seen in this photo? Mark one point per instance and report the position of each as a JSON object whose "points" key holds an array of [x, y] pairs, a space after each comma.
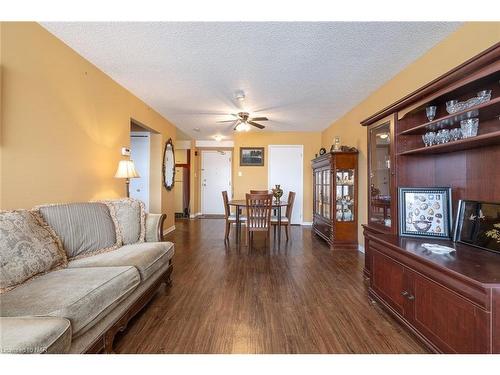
{"points": [[286, 168], [179, 190], [140, 154], [215, 178]]}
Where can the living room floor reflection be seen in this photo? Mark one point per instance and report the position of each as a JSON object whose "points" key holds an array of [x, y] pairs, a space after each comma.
{"points": [[298, 298]]}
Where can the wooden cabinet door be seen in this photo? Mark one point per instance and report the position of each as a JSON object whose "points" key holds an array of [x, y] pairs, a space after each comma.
{"points": [[451, 322], [388, 280]]}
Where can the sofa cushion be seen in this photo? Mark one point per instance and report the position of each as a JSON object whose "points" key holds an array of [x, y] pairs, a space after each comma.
{"points": [[130, 215], [78, 294], [147, 257], [84, 228], [35, 335], [28, 247]]}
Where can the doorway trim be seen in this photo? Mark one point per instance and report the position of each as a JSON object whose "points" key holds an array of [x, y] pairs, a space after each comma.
{"points": [[269, 156]]}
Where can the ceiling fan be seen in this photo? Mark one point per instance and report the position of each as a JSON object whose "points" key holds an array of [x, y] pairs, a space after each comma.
{"points": [[243, 121]]}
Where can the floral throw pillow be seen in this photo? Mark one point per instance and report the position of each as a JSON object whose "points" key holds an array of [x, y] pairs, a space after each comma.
{"points": [[28, 248]]}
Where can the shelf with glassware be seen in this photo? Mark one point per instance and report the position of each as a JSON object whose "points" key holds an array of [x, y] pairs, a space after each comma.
{"points": [[335, 198], [344, 195], [466, 164], [468, 122]]}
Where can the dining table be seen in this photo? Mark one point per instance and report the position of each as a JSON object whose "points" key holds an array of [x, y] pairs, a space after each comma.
{"points": [[241, 203]]}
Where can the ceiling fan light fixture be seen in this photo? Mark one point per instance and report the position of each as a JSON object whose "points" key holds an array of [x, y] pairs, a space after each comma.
{"points": [[242, 127]]}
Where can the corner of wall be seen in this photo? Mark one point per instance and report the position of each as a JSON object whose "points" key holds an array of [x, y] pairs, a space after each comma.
{"points": [[1, 116]]}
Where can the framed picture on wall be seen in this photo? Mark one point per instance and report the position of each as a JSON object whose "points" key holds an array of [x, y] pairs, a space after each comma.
{"points": [[478, 224], [251, 156], [425, 212]]}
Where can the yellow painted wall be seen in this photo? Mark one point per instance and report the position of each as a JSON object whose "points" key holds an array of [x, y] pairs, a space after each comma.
{"points": [[63, 124], [256, 177], [1, 116], [466, 42]]}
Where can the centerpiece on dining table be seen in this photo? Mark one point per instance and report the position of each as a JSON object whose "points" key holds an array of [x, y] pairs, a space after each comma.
{"points": [[277, 193]]}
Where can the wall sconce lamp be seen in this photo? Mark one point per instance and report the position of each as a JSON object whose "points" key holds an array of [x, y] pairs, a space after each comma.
{"points": [[126, 169]]}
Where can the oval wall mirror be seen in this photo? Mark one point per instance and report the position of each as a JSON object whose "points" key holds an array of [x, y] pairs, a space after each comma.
{"points": [[168, 165]]}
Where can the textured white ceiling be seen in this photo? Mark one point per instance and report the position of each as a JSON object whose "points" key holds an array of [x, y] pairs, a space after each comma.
{"points": [[302, 75]]}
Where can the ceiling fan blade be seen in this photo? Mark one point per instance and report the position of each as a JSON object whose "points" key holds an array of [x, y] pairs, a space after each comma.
{"points": [[259, 119], [236, 125], [232, 114], [256, 125]]}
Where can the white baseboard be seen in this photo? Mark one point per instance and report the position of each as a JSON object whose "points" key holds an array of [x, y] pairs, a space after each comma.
{"points": [[171, 229], [361, 248], [193, 216], [307, 223]]}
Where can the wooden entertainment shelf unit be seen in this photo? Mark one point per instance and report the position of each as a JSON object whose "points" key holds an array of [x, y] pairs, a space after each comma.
{"points": [[450, 302]]}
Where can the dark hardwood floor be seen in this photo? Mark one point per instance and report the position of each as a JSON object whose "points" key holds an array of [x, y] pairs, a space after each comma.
{"points": [[300, 298]]}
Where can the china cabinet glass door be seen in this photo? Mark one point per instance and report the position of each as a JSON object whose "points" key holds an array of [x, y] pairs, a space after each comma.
{"points": [[380, 175], [344, 195], [326, 193], [322, 199], [317, 193]]}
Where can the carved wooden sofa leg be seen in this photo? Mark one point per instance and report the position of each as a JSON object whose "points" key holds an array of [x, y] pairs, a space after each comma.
{"points": [[168, 276], [104, 343]]}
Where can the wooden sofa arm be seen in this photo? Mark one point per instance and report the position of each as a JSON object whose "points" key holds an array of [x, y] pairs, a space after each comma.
{"points": [[154, 227]]}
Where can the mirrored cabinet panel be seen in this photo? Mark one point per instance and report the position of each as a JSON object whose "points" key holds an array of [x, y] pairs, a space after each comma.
{"points": [[380, 185]]}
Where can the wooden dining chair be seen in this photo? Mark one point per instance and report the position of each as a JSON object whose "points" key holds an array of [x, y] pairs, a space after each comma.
{"points": [[259, 191], [259, 208], [287, 219], [230, 218]]}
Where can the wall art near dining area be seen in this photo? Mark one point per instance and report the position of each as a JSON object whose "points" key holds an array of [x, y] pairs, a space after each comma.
{"points": [[251, 156], [478, 224], [425, 212]]}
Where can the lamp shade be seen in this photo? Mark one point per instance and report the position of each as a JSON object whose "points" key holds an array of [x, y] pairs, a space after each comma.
{"points": [[126, 169]]}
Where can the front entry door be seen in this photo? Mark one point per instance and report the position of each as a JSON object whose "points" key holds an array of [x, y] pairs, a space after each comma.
{"points": [[215, 178]]}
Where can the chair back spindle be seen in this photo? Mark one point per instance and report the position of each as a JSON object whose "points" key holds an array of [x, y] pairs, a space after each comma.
{"points": [[259, 207]]}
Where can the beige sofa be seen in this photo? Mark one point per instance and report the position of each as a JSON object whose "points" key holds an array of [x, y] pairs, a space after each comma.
{"points": [[114, 261]]}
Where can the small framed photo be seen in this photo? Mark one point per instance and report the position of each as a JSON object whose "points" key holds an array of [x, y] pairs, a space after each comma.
{"points": [[425, 212], [478, 224], [251, 156]]}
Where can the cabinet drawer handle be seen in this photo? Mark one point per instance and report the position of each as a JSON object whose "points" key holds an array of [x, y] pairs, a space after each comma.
{"points": [[404, 293], [411, 297]]}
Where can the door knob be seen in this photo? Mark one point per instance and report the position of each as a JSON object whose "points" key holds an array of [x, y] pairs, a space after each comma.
{"points": [[411, 297], [138, 190]]}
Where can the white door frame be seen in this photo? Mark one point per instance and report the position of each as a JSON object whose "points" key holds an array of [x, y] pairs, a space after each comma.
{"points": [[230, 191], [301, 147], [145, 135]]}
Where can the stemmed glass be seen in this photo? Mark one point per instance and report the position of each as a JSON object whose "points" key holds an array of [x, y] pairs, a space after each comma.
{"points": [[429, 138], [430, 112], [455, 134]]}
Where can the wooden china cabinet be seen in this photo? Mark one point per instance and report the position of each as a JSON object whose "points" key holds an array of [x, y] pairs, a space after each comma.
{"points": [[450, 302], [335, 198]]}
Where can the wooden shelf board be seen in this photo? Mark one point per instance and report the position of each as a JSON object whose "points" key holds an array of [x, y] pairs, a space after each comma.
{"points": [[487, 139], [484, 111]]}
